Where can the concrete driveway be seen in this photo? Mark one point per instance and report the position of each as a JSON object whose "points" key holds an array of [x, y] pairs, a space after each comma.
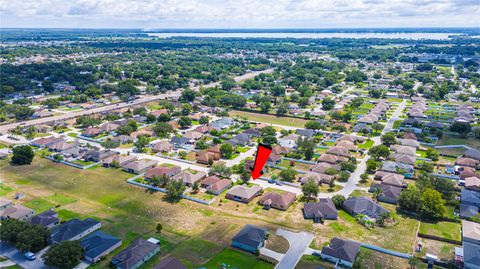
{"points": [[299, 242], [17, 257]]}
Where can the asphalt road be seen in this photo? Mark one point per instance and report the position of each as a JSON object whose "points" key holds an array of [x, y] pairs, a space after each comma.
{"points": [[16, 256], [299, 242]]}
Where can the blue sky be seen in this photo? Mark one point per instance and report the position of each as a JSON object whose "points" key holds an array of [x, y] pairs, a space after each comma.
{"points": [[239, 13]]}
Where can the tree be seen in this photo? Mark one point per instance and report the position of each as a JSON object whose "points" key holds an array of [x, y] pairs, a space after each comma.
{"points": [[109, 144], [372, 165], [309, 152], [175, 189], [389, 139], [141, 143], [164, 117], [380, 151], [162, 129], [410, 199], [265, 106], [314, 125], [462, 128], [23, 235], [288, 174], [226, 150], [433, 206], [182, 154], [432, 154], [188, 95], [159, 228], [338, 200], [64, 255], [195, 187], [377, 127], [310, 189], [221, 170], [22, 155], [203, 120], [245, 176], [328, 103], [185, 122], [30, 132]]}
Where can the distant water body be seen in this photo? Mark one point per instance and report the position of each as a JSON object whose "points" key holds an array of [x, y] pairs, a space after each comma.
{"points": [[412, 36]]}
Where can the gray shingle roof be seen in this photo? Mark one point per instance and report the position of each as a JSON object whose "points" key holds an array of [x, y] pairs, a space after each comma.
{"points": [[251, 236], [342, 249], [72, 228], [97, 243]]}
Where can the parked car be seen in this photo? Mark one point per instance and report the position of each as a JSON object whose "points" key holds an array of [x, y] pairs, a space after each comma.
{"points": [[29, 256]]}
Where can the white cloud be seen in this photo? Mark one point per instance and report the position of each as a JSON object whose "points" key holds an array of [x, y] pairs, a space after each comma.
{"points": [[239, 13]]}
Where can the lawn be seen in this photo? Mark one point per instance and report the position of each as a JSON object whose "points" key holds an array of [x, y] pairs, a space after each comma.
{"points": [[366, 145], [294, 122], [456, 140], [233, 258], [39, 205], [60, 199], [313, 262], [195, 252], [445, 229], [4, 189], [368, 258]]}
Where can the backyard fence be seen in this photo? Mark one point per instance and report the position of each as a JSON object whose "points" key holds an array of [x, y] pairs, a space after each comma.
{"points": [[438, 238]]}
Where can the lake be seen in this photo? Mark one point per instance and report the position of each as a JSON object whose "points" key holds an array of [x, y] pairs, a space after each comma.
{"points": [[412, 36]]}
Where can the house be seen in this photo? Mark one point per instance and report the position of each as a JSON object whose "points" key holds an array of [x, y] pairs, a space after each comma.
{"points": [[123, 139], [222, 123], [387, 178], [321, 210], [322, 167], [162, 146], [364, 206], [331, 159], [472, 153], [62, 146], [169, 263], [240, 139], [469, 203], [188, 177], [287, 142], [250, 238], [92, 131], [471, 232], [388, 193], [274, 159], [404, 158], [46, 141], [11, 211], [139, 166], [74, 229], [278, 201], [203, 129], [193, 135], [205, 157], [341, 251], [408, 142], [98, 245], [179, 142], [472, 183], [278, 150], [406, 170], [252, 132], [243, 193], [98, 155], [5, 203], [471, 255], [308, 133], [347, 144], [139, 252], [118, 160], [159, 112], [47, 219], [339, 151], [462, 161], [319, 178], [160, 171], [404, 150], [219, 186], [352, 138]]}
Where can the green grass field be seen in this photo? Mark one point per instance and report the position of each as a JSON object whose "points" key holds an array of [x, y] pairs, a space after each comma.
{"points": [[448, 230], [294, 122], [236, 259], [39, 205]]}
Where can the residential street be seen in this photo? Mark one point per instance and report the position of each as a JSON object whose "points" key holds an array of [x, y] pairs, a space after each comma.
{"points": [[16, 256], [299, 242]]}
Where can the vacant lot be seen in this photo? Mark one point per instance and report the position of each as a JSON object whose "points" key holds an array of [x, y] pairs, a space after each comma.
{"points": [[233, 258], [448, 230], [300, 123], [371, 259], [456, 140]]}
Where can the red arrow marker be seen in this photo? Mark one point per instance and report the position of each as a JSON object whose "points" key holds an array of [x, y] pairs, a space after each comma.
{"points": [[263, 152]]}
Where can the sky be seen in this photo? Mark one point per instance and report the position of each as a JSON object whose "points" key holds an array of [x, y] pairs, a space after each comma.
{"points": [[152, 14]]}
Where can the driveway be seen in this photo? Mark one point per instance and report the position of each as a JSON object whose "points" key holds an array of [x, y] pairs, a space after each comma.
{"points": [[299, 242], [16, 256]]}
